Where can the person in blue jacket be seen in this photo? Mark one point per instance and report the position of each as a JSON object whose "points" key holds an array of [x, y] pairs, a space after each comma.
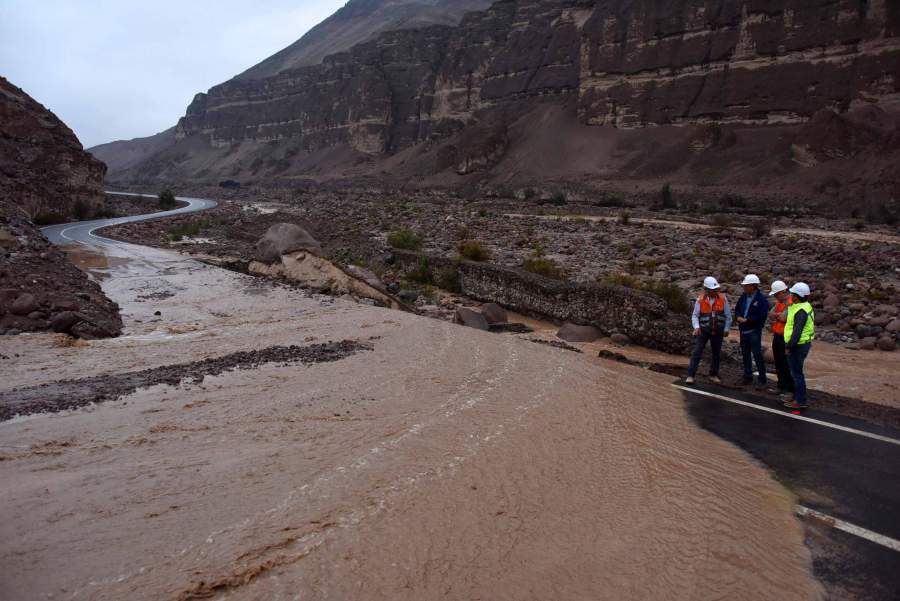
{"points": [[751, 312]]}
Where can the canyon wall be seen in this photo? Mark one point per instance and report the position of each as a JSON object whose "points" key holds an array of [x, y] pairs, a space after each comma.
{"points": [[630, 63], [474, 98]]}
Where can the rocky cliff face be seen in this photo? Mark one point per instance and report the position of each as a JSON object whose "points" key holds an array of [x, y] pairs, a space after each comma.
{"points": [[43, 168], [610, 65]]}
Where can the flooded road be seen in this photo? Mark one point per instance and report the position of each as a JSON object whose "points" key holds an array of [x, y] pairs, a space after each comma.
{"points": [[441, 463]]}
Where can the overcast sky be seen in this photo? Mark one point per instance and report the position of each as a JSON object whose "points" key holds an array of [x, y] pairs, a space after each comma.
{"points": [[120, 69]]}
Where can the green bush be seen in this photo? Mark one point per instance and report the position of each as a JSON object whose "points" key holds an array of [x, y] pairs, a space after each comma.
{"points": [[188, 229], [474, 251], [558, 199], [167, 200], [405, 240], [543, 266], [721, 220], [666, 198], [49, 218], [624, 218], [448, 279], [422, 273], [674, 296], [538, 264]]}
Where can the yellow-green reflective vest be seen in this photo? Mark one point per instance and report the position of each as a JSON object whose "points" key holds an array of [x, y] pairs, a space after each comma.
{"points": [[809, 329]]}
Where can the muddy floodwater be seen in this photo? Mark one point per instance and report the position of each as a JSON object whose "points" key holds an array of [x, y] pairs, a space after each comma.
{"points": [[440, 463]]}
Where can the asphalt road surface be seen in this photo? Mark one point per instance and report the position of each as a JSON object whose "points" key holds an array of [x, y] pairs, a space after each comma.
{"points": [[82, 232], [846, 476]]}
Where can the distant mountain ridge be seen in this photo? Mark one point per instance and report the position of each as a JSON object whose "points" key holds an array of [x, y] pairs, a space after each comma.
{"points": [[355, 22], [359, 21]]}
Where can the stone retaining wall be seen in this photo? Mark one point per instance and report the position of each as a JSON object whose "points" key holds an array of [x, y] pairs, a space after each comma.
{"points": [[643, 317]]}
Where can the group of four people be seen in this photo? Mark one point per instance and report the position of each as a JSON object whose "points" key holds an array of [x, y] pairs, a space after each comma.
{"points": [[793, 329]]}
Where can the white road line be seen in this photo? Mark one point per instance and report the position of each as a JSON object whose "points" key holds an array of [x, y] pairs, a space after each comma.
{"points": [[880, 539], [791, 415]]}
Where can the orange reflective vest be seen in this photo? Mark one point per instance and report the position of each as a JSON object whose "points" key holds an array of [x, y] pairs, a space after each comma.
{"points": [[712, 315], [780, 307]]}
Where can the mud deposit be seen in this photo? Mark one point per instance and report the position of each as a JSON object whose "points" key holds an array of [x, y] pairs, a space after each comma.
{"points": [[71, 394]]}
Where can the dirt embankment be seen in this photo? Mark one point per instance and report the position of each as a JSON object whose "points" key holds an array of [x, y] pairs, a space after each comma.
{"points": [[40, 289]]}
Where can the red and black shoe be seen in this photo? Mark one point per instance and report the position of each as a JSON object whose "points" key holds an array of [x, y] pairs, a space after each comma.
{"points": [[792, 404]]}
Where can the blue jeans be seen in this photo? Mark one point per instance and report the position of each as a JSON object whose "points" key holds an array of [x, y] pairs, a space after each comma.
{"points": [[699, 344], [751, 350], [796, 357]]}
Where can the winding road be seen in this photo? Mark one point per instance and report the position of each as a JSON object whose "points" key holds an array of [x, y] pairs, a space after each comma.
{"points": [[82, 232]]}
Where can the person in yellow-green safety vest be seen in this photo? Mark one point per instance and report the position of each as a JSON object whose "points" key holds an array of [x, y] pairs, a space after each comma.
{"points": [[799, 332]]}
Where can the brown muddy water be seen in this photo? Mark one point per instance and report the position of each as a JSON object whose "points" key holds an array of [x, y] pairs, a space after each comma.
{"points": [[444, 463]]}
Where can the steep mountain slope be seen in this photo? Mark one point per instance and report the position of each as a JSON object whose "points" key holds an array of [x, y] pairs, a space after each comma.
{"points": [[723, 93], [43, 170], [359, 21], [43, 167]]}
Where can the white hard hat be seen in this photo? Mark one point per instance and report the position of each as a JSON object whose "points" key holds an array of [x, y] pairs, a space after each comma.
{"points": [[778, 286], [710, 283], [800, 289], [751, 278]]}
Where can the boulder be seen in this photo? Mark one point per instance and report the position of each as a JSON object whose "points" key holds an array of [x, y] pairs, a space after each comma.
{"points": [[470, 318], [620, 339], [571, 332], [284, 238], [24, 304], [494, 313], [868, 344], [863, 330], [63, 322], [832, 301], [893, 326], [887, 343], [7, 239]]}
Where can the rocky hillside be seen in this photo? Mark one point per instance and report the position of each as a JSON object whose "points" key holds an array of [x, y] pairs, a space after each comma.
{"points": [[43, 168], [786, 95], [44, 172]]}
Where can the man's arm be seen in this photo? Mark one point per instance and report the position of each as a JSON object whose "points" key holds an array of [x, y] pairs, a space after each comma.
{"points": [[695, 316], [799, 324]]}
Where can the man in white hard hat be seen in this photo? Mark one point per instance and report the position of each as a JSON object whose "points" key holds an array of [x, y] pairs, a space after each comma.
{"points": [[799, 332], [752, 310], [778, 316], [711, 320]]}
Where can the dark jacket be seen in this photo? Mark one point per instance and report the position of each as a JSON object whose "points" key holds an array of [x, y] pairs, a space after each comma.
{"points": [[756, 313]]}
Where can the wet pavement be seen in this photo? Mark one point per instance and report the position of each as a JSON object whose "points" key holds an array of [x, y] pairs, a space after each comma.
{"points": [[839, 467], [82, 232]]}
